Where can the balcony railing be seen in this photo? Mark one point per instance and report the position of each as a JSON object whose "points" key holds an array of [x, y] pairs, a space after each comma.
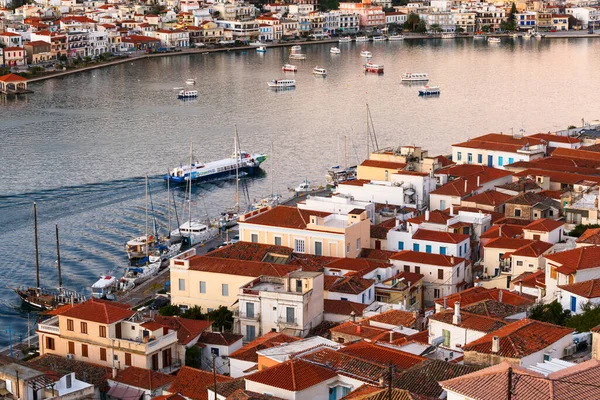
{"points": [[48, 328], [288, 321], [245, 315]]}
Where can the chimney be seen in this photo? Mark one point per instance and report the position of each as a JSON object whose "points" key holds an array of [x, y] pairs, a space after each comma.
{"points": [[499, 230], [445, 303], [539, 296], [353, 316], [452, 210], [391, 336], [358, 328], [452, 260], [397, 222], [478, 177], [465, 185], [114, 372], [456, 316], [495, 344], [521, 288], [500, 296], [426, 215]]}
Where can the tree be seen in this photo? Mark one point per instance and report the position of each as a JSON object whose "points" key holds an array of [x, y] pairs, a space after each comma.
{"points": [[326, 5], [435, 28], [486, 28], [552, 313], [573, 22], [459, 29], [412, 21], [216, 14], [169, 310], [589, 318], [421, 27], [194, 313], [193, 357], [222, 318], [156, 9], [579, 229]]}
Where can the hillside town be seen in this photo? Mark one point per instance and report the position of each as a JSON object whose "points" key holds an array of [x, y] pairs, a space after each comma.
{"points": [[472, 275], [61, 33]]}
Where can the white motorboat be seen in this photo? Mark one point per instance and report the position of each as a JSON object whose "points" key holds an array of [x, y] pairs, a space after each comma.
{"points": [[366, 54], [515, 35], [256, 44], [414, 77], [527, 35], [303, 187], [478, 37], [190, 82], [362, 39], [493, 40], [319, 71], [429, 91], [379, 38], [345, 39], [289, 68], [282, 83], [335, 50], [296, 48], [138, 248], [396, 37], [139, 274], [371, 67], [195, 232], [187, 94], [297, 56], [448, 36], [538, 35], [261, 49], [104, 286]]}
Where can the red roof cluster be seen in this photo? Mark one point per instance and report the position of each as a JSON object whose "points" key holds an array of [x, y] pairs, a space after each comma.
{"points": [[103, 312], [588, 289], [193, 383], [294, 375], [427, 258]]}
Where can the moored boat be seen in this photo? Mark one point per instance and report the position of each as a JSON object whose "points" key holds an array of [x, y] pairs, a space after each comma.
{"points": [[297, 56], [396, 37], [296, 48], [187, 94], [372, 67], [515, 35], [194, 232], [319, 71], [261, 49], [493, 40], [366, 54], [335, 50], [289, 68], [414, 77], [479, 36], [429, 91], [190, 82], [362, 39], [282, 83], [379, 38], [345, 39], [448, 36]]}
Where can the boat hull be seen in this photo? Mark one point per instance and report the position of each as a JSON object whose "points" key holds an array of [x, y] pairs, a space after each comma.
{"points": [[216, 175]]}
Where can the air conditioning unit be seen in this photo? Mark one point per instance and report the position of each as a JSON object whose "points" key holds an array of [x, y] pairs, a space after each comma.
{"points": [[70, 356], [569, 350]]}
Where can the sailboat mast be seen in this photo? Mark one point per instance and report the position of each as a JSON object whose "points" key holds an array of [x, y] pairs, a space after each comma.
{"points": [[147, 238], [345, 153], [58, 260], [37, 256], [237, 177], [169, 203], [368, 136], [272, 176], [190, 194]]}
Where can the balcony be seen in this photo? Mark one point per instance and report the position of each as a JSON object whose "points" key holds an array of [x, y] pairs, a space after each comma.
{"points": [[246, 316], [49, 326], [287, 321]]}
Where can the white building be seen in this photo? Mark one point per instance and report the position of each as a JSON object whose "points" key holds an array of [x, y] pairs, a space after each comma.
{"points": [[589, 16], [445, 243], [293, 303], [98, 43], [221, 345], [575, 296], [338, 204], [570, 266], [546, 230]]}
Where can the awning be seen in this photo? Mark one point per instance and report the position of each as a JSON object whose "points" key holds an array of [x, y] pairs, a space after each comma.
{"points": [[125, 393]]}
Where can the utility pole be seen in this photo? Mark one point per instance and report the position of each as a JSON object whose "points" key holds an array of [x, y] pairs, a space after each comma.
{"points": [[214, 357], [37, 258], [510, 372], [390, 373], [58, 260]]}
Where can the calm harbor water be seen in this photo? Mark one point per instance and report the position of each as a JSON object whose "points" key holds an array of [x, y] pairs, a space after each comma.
{"points": [[80, 145]]}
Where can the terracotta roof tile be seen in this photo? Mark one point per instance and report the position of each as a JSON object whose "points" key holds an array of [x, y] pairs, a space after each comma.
{"points": [[238, 267], [250, 395], [492, 308], [383, 164], [576, 259], [520, 339], [284, 216], [590, 236], [91, 373], [535, 249], [99, 311], [218, 338], [12, 78], [470, 321], [576, 154], [503, 230], [271, 339], [507, 243], [143, 378], [380, 230], [560, 176], [393, 317], [489, 198], [376, 254], [361, 392], [427, 258], [294, 375], [193, 383], [360, 265], [343, 307], [435, 217], [359, 331], [478, 293], [588, 289], [187, 329], [352, 284], [249, 251], [383, 355], [531, 279], [555, 138]]}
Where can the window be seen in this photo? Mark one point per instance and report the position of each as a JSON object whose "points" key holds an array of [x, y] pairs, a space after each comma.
{"points": [[442, 204], [83, 327], [479, 159], [458, 156], [215, 351], [70, 325], [469, 158], [181, 284], [72, 347], [553, 273], [128, 359], [202, 287], [250, 310], [417, 270], [299, 245], [102, 354], [443, 250], [415, 246], [467, 230], [84, 350], [400, 246], [69, 381], [318, 248], [290, 314], [102, 331], [500, 161], [446, 334], [277, 241], [573, 304], [519, 263], [348, 248], [440, 273], [363, 298], [427, 248], [357, 244], [407, 268], [436, 293], [511, 160], [225, 289], [254, 238], [517, 212], [465, 249], [460, 251]]}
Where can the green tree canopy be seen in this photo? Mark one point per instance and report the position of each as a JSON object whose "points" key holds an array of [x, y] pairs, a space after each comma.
{"points": [[412, 22], [587, 320], [552, 313]]}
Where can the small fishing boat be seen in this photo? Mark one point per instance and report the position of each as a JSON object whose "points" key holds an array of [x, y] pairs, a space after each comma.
{"points": [[372, 67], [104, 287], [289, 68], [303, 187], [527, 35], [187, 94], [261, 49], [345, 39], [429, 91], [282, 83], [448, 36], [335, 50], [190, 82], [296, 48], [414, 77], [493, 40], [137, 275], [319, 71], [194, 232], [366, 54], [257, 43], [538, 35], [297, 56], [479, 36], [140, 246], [362, 39], [515, 35], [379, 38], [178, 88], [396, 37]]}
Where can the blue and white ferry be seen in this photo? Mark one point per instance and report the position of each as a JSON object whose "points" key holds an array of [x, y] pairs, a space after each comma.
{"points": [[246, 163]]}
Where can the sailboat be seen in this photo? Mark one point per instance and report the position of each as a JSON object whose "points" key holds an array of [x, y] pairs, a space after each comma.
{"points": [[193, 231], [272, 200], [230, 217], [47, 298], [337, 174]]}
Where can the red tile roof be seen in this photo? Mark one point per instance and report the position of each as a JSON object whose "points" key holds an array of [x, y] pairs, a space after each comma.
{"points": [[193, 383], [436, 236], [520, 339], [590, 236], [576, 259], [499, 142], [142, 378], [427, 258], [456, 187], [12, 77], [555, 138], [478, 293], [99, 311], [349, 365], [559, 176], [507, 243], [383, 355], [187, 329], [175, 396], [380, 230], [352, 284], [435, 217], [531, 279], [576, 154], [489, 198], [284, 216], [503, 230], [383, 164], [588, 289], [271, 339], [360, 265], [474, 322], [393, 317], [360, 331], [294, 375], [249, 251], [535, 249], [238, 267], [471, 171], [376, 254], [343, 307], [218, 338]]}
